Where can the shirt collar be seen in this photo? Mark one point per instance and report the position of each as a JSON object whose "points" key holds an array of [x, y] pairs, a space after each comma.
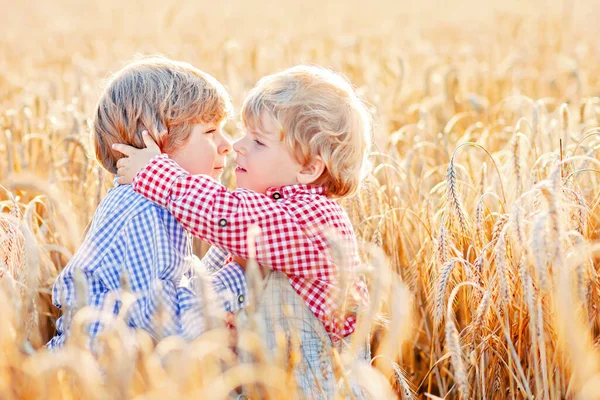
{"points": [[287, 191]]}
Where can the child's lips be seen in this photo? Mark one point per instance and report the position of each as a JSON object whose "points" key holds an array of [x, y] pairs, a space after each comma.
{"points": [[239, 169]]}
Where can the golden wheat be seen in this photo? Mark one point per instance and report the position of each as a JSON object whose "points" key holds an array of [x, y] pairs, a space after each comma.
{"points": [[485, 156]]}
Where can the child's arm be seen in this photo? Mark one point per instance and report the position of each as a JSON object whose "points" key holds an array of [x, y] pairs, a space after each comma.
{"points": [[215, 259], [227, 278], [198, 303], [222, 218], [204, 296], [231, 284]]}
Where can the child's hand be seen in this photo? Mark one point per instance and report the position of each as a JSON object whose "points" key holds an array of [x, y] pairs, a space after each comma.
{"points": [[136, 159]]}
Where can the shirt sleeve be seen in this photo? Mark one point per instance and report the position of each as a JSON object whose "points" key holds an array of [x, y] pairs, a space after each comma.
{"points": [[215, 258], [227, 280], [222, 218], [204, 297], [231, 285]]}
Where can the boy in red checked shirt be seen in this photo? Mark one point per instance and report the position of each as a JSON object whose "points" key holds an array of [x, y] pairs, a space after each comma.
{"points": [[306, 143]]}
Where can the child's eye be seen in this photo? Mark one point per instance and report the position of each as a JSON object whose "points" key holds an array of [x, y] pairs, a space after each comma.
{"points": [[258, 142], [210, 131]]}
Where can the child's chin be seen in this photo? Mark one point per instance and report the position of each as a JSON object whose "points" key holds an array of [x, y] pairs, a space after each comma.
{"points": [[239, 178]]}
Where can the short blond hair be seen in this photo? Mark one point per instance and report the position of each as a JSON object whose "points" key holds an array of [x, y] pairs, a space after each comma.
{"points": [[320, 114], [165, 97]]}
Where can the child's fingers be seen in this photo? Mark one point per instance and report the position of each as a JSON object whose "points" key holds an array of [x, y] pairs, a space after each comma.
{"points": [[122, 162], [121, 172], [123, 148], [149, 142]]}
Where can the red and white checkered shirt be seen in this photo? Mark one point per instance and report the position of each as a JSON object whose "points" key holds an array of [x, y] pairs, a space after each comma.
{"points": [[294, 221]]}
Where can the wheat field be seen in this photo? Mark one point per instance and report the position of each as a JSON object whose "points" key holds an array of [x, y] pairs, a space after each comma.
{"points": [[478, 223]]}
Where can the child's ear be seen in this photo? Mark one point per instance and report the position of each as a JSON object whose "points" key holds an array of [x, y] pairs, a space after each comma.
{"points": [[311, 172]]}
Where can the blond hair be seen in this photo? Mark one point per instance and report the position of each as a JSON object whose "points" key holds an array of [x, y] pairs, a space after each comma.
{"points": [[165, 97], [320, 114]]}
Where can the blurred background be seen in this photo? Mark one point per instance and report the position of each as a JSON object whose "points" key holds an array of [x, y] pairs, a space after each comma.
{"points": [[240, 41]]}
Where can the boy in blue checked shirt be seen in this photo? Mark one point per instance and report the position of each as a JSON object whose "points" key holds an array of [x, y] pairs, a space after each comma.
{"points": [[130, 238]]}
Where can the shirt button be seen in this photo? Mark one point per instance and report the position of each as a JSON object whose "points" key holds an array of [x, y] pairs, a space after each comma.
{"points": [[241, 298], [222, 222], [276, 195]]}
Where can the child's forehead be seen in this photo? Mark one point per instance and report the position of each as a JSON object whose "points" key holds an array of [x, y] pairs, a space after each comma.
{"points": [[263, 123], [216, 123]]}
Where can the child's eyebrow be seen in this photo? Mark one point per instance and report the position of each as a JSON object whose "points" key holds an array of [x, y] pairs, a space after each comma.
{"points": [[260, 135], [255, 131]]}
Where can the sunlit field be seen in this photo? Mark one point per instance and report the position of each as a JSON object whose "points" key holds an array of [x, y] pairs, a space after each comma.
{"points": [[478, 224]]}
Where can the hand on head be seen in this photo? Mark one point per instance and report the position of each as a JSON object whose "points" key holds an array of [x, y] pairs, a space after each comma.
{"points": [[135, 159]]}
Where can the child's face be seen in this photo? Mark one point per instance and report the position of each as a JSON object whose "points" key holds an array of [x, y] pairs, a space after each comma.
{"points": [[263, 160], [204, 152]]}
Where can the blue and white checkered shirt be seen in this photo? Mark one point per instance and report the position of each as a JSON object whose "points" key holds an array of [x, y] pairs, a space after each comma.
{"points": [[134, 245]]}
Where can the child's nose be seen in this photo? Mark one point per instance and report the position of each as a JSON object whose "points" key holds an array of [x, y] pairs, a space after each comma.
{"points": [[224, 145], [239, 146]]}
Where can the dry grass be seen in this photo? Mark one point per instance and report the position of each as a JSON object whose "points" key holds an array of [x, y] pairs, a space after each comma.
{"points": [[483, 199]]}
